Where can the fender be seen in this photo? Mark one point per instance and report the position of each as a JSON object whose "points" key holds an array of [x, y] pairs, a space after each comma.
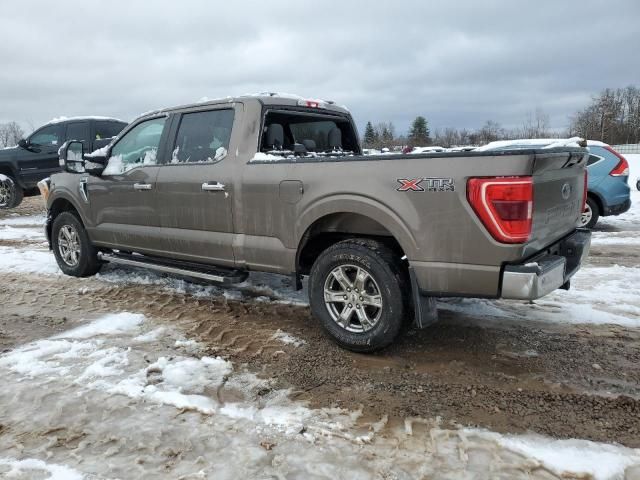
{"points": [[360, 205], [62, 192]]}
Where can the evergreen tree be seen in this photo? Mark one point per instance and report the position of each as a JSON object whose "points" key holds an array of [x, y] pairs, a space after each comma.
{"points": [[419, 133], [370, 136]]}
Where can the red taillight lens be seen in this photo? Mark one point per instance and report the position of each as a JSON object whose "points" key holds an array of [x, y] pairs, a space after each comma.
{"points": [[622, 168], [584, 193], [504, 205]]}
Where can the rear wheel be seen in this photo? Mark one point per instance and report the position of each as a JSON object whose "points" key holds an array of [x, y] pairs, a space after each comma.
{"points": [[11, 194], [590, 215], [75, 254], [357, 291]]}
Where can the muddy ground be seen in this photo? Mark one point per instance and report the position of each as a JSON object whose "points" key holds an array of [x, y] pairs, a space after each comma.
{"points": [[563, 380]]}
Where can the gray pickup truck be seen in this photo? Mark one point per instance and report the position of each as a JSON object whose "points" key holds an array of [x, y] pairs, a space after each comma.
{"points": [[279, 184]]}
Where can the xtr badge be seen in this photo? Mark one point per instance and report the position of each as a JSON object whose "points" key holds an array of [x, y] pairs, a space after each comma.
{"points": [[426, 184]]}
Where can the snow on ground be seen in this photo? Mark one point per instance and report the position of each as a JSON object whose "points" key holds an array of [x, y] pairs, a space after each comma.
{"points": [[19, 469], [136, 407], [13, 233], [28, 220], [598, 295], [288, 339]]}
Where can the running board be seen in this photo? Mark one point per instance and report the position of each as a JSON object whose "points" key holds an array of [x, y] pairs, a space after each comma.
{"points": [[177, 267]]}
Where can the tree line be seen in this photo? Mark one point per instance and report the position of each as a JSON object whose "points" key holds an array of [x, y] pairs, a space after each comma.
{"points": [[612, 116], [534, 125]]}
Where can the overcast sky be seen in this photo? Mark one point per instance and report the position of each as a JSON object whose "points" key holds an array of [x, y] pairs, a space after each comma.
{"points": [[458, 62]]}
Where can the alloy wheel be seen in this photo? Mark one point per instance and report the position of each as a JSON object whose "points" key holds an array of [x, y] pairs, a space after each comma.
{"points": [[69, 245], [353, 298], [586, 215]]}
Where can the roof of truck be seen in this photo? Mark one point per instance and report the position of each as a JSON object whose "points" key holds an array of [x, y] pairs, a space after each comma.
{"points": [[267, 98]]}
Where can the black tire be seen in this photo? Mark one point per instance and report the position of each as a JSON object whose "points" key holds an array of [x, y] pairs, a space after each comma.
{"points": [[11, 194], [592, 206], [87, 263], [388, 278]]}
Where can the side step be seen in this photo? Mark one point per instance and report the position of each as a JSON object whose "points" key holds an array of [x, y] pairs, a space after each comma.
{"points": [[176, 267]]}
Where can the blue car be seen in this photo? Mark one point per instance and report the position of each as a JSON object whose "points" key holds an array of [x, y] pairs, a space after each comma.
{"points": [[608, 188]]}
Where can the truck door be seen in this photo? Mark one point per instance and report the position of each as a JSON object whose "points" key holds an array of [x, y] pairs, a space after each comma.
{"points": [[195, 187], [123, 198], [41, 159]]}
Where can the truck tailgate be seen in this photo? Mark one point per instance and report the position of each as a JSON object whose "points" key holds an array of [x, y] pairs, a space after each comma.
{"points": [[558, 189]]}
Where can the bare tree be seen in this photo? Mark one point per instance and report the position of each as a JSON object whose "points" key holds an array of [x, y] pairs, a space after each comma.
{"points": [[535, 125], [10, 133], [613, 117]]}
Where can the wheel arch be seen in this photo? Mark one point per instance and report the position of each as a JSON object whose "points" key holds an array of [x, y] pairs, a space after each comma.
{"points": [[60, 204], [596, 197], [9, 170], [337, 220]]}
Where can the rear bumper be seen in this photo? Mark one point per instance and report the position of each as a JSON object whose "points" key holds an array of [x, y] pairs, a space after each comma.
{"points": [[547, 271], [617, 209]]}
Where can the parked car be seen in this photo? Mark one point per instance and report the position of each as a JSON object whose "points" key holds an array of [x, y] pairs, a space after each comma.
{"points": [[608, 187], [275, 184], [36, 157]]}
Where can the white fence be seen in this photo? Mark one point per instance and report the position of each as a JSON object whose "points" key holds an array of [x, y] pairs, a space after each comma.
{"points": [[627, 148]]}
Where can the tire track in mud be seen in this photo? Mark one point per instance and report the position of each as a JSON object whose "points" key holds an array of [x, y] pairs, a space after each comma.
{"points": [[510, 378]]}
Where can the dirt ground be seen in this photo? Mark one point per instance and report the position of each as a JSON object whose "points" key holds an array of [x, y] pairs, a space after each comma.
{"points": [[510, 376]]}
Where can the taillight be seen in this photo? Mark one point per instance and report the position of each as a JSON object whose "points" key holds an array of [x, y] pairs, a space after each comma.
{"points": [[622, 168], [504, 205], [584, 192]]}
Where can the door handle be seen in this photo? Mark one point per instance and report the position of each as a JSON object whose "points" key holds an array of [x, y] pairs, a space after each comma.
{"points": [[142, 186], [213, 187]]}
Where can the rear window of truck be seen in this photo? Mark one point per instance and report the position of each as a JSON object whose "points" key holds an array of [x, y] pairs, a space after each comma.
{"points": [[308, 134]]}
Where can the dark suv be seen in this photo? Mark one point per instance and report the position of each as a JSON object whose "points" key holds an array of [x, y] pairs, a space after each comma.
{"points": [[36, 157]]}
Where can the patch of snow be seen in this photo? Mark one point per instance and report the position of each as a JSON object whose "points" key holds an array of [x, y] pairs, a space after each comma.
{"points": [[267, 157], [100, 152], [568, 142], [88, 117], [111, 324], [33, 468], [36, 261], [11, 233], [614, 238], [288, 339], [150, 336], [4, 178], [574, 458], [26, 220]]}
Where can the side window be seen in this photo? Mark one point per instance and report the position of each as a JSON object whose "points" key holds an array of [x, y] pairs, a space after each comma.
{"points": [[203, 137], [107, 129], [138, 147], [593, 159], [78, 131], [49, 135]]}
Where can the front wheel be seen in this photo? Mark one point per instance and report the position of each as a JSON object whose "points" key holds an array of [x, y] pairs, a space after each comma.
{"points": [[11, 194], [590, 215], [75, 254], [357, 290]]}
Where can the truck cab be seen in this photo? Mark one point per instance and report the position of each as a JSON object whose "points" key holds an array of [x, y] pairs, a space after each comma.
{"points": [[36, 157]]}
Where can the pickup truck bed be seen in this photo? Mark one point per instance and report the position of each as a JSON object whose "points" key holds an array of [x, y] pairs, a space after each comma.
{"points": [[278, 184]]}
